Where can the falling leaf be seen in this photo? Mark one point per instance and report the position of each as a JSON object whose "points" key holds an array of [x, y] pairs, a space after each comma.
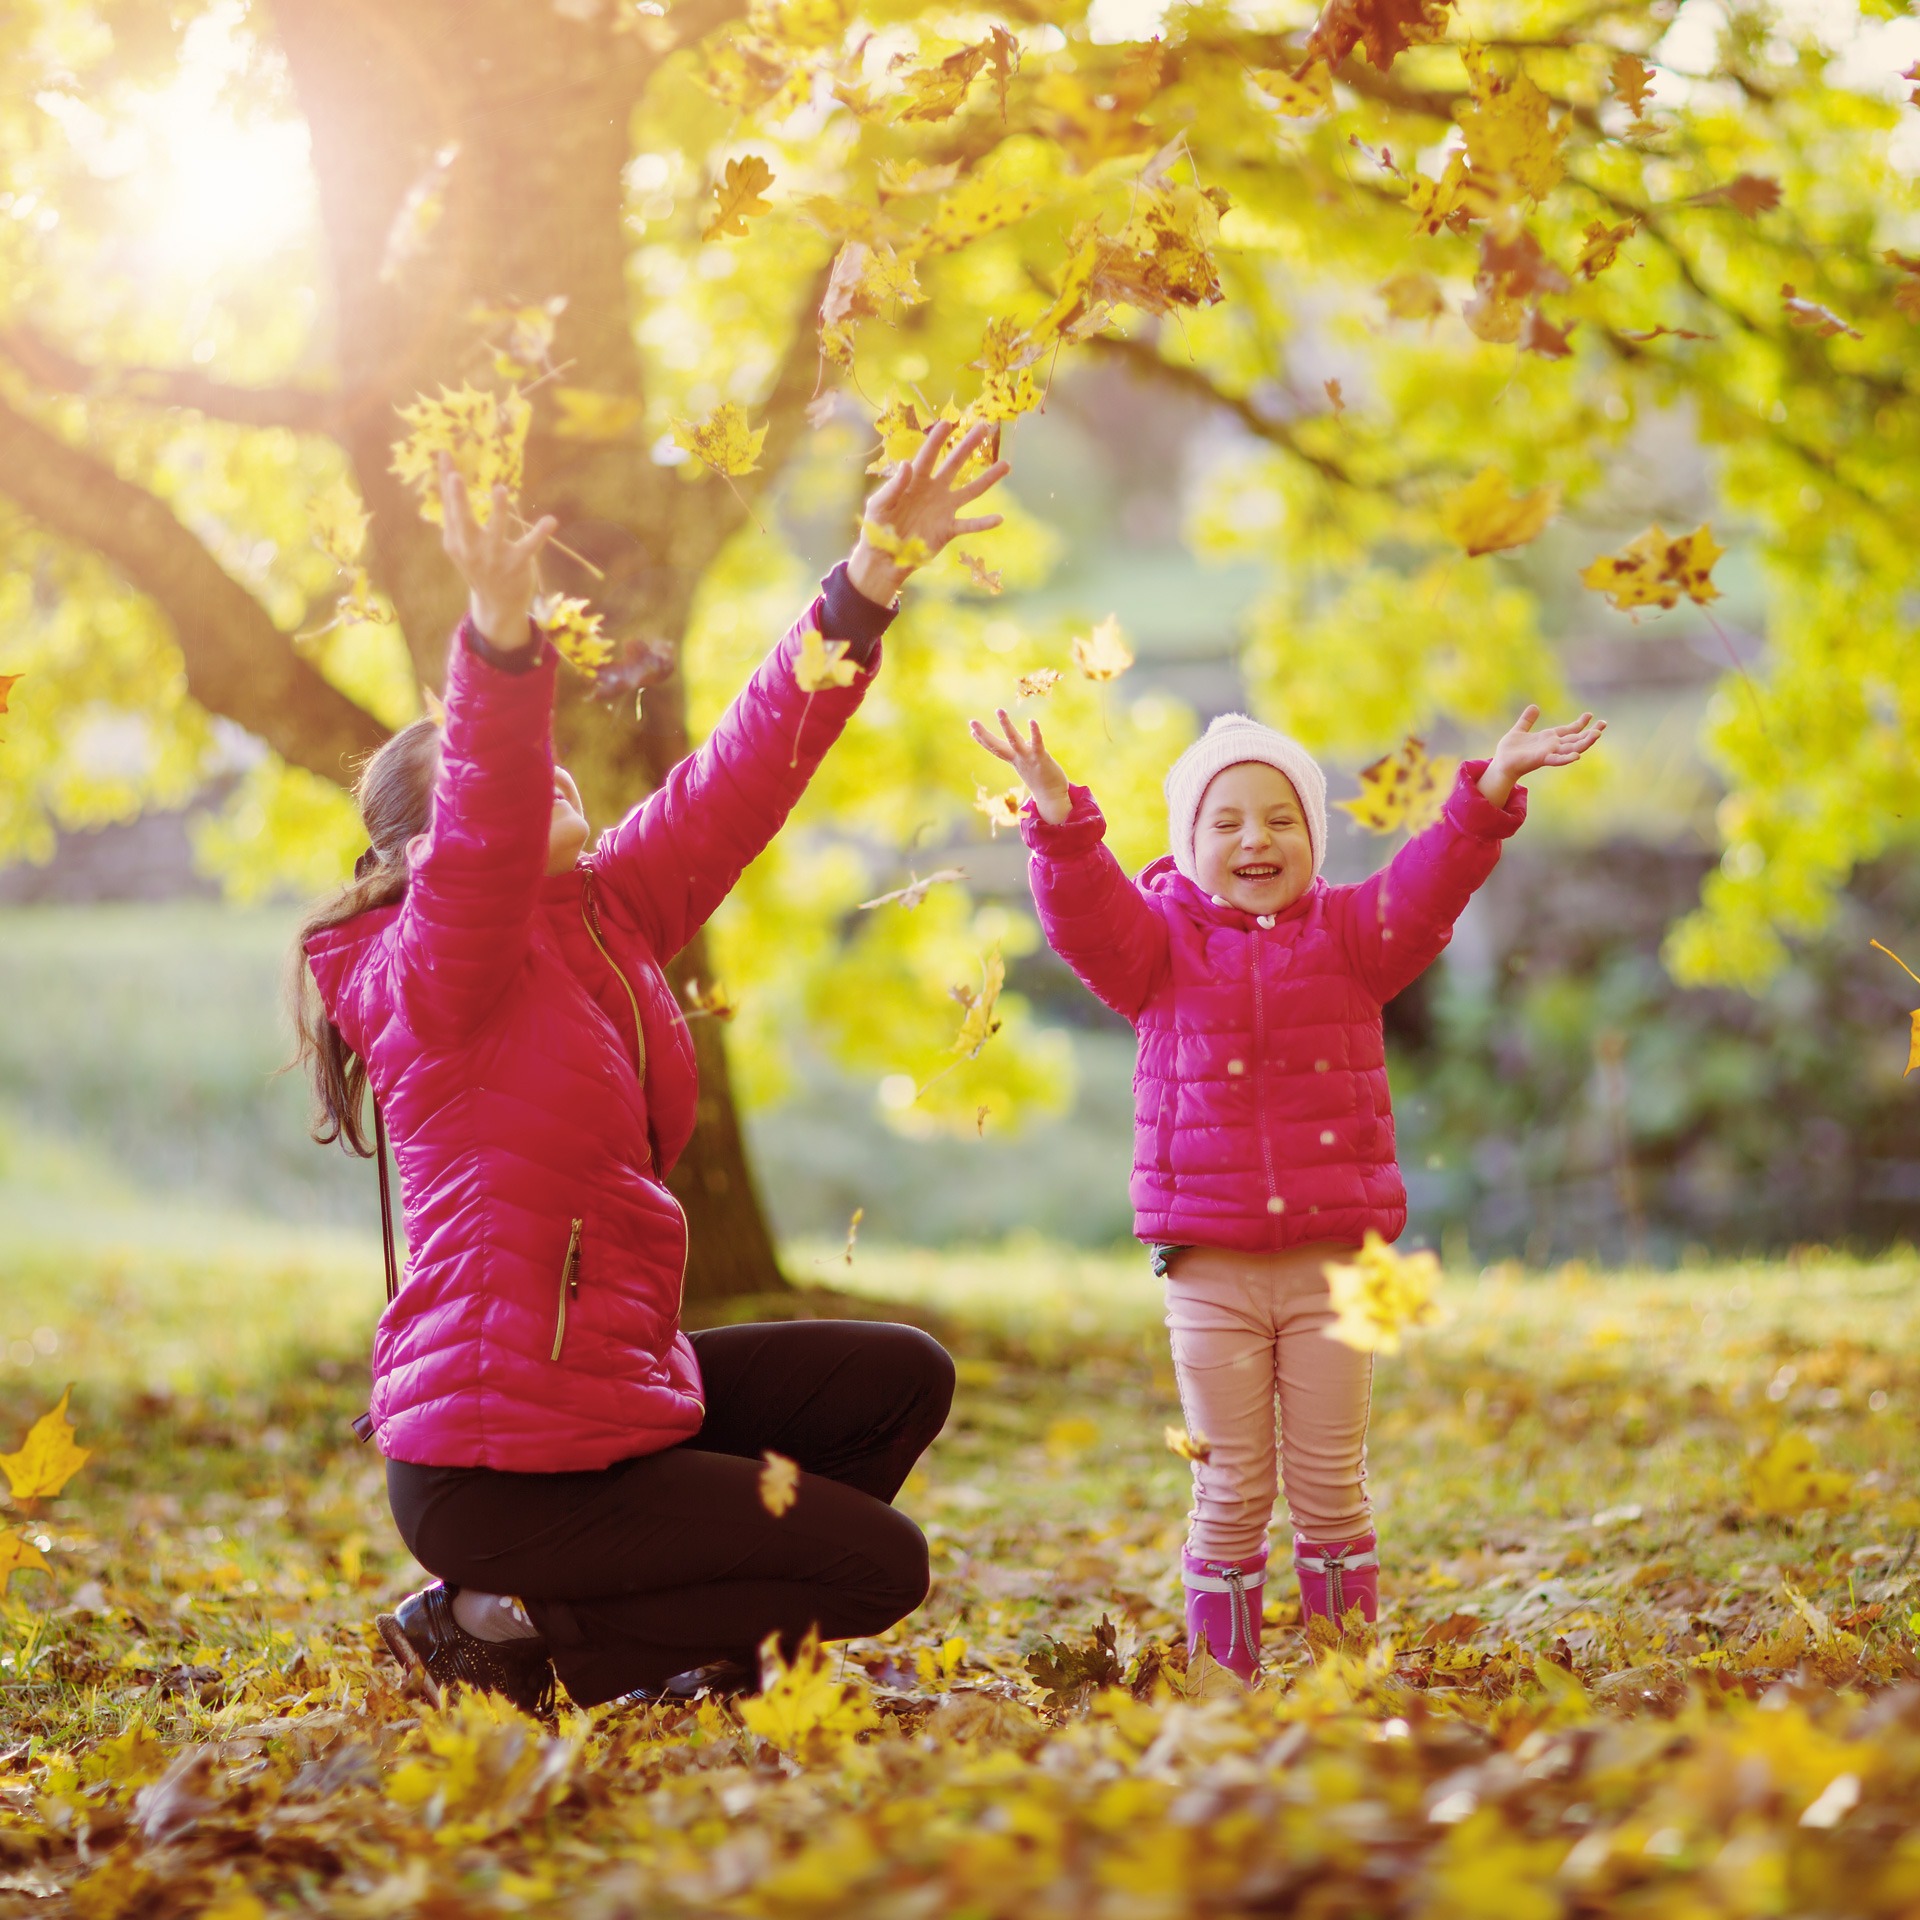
{"points": [[982, 1020], [339, 523], [47, 1459], [738, 198], [1298, 96], [911, 896], [1513, 142], [1402, 790], [1655, 569], [484, 433], [1539, 335], [1906, 295], [418, 215], [939, 91], [866, 282], [980, 1121], [903, 549], [1335, 398], [823, 663], [8, 681], [1913, 1036], [902, 179], [18, 1554], [979, 572], [802, 1709], [1189, 1446], [521, 337], [1810, 313], [1385, 28], [1484, 517], [1413, 296], [1658, 333], [779, 1477], [1102, 655], [853, 1232], [1748, 194], [601, 418], [1788, 1479], [576, 633], [1001, 809], [709, 999], [1039, 683], [723, 440], [1380, 1294], [1631, 78], [1913, 73], [1600, 246]]}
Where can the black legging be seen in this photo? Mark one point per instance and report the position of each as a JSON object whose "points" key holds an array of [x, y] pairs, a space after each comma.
{"points": [[667, 1561]]}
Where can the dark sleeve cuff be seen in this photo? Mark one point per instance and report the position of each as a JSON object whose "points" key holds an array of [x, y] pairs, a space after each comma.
{"points": [[520, 660], [847, 614]]}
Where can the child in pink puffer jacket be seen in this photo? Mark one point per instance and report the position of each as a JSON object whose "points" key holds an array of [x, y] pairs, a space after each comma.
{"points": [[1263, 1132]]}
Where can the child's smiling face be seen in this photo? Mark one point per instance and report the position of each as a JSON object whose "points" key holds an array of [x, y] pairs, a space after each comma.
{"points": [[1251, 846]]}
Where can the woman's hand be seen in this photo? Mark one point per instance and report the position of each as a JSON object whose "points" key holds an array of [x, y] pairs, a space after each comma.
{"points": [[1039, 771], [502, 572], [921, 501], [1522, 751]]}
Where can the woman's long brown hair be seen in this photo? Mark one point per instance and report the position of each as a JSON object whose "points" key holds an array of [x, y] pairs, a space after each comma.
{"points": [[395, 796]]}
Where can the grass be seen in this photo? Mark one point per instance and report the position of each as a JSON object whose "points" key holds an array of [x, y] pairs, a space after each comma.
{"points": [[1576, 1535]]}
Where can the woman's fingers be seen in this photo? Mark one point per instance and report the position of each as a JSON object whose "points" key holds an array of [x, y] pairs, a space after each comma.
{"points": [[985, 523], [923, 459], [950, 467], [979, 485]]}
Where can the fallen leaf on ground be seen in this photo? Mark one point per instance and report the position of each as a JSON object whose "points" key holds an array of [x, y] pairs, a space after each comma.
{"points": [[47, 1458]]}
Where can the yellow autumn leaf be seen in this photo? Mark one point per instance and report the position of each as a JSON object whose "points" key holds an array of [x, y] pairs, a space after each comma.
{"points": [[1788, 1479], [576, 633], [802, 1709], [586, 414], [1913, 1033], [1039, 683], [867, 281], [779, 1483], [853, 1233], [1298, 96], [1379, 1294], [484, 433], [1656, 568], [1073, 1434], [1405, 789], [982, 1020], [1412, 295], [737, 197], [911, 896], [1484, 517], [1631, 78], [710, 1000], [982, 575], [521, 337], [339, 523], [1511, 135], [1189, 1446], [723, 440], [823, 663], [1001, 809], [1102, 655], [18, 1554], [8, 681], [903, 549], [48, 1458]]}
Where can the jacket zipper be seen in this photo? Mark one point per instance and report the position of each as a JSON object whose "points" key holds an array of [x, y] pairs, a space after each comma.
{"points": [[590, 915], [569, 1285], [1260, 1075]]}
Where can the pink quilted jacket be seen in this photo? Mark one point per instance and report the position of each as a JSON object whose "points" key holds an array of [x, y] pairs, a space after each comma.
{"points": [[537, 1079], [1261, 1114]]}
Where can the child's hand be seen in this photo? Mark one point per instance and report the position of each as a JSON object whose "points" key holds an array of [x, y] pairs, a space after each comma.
{"points": [[919, 501], [502, 573], [1522, 751], [1039, 771]]}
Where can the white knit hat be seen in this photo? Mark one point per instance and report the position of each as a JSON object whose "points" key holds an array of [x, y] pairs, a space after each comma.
{"points": [[1231, 739]]}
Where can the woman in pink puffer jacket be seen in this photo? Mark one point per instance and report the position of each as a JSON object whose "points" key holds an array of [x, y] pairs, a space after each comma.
{"points": [[1263, 1131], [584, 1477]]}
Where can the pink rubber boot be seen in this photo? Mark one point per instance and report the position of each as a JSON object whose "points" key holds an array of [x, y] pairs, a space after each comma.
{"points": [[1337, 1575], [1223, 1602]]}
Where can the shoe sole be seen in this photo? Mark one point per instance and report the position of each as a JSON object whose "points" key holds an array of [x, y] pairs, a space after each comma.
{"points": [[415, 1677]]}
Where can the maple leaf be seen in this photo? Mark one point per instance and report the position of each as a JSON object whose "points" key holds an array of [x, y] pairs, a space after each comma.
{"points": [[18, 1554], [980, 205], [1070, 1672], [1007, 358], [709, 1000], [1913, 1033], [1539, 335], [1600, 246], [597, 417], [1385, 28], [1001, 809], [1412, 295], [1810, 313], [723, 440], [576, 633], [911, 896], [1039, 683], [339, 523], [1298, 96], [982, 575], [802, 1709], [1189, 1446], [823, 663], [47, 1459], [484, 433], [1906, 295], [1748, 194], [1102, 655], [780, 1478], [738, 197], [864, 283], [938, 92], [1631, 78], [1512, 139], [903, 549], [527, 350], [1656, 568], [982, 1019], [1484, 517], [1788, 1479], [903, 179], [1402, 789], [1380, 1294]]}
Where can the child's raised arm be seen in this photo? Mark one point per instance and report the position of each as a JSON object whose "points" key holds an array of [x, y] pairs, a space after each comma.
{"points": [[1092, 914], [1403, 917]]}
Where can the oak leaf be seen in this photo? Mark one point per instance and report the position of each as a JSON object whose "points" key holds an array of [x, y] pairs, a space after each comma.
{"points": [[48, 1458], [738, 197], [1513, 142], [1072, 1673], [865, 282], [780, 1478], [1379, 1294], [1484, 517], [1385, 28], [723, 440], [982, 575], [1631, 78], [823, 663], [1102, 654], [1405, 789], [1657, 568]]}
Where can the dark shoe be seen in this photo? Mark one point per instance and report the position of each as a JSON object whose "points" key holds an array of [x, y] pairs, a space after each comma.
{"points": [[438, 1654], [725, 1679]]}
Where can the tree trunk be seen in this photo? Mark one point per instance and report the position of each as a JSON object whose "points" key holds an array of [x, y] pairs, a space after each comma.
{"points": [[518, 117]]}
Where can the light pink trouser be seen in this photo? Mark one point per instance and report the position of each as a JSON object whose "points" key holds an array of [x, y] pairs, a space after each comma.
{"points": [[1247, 1328]]}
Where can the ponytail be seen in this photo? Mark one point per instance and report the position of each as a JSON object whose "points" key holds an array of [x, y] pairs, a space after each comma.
{"points": [[395, 797]]}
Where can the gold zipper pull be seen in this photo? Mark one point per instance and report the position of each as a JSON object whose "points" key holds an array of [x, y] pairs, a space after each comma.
{"points": [[571, 1271]]}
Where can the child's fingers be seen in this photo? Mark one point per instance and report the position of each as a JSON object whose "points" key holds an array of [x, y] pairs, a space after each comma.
{"points": [[983, 738], [530, 543], [1528, 715], [1012, 733], [457, 524]]}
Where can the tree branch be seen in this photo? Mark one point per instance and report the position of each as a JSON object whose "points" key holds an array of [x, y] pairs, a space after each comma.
{"points": [[299, 409], [239, 664]]}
